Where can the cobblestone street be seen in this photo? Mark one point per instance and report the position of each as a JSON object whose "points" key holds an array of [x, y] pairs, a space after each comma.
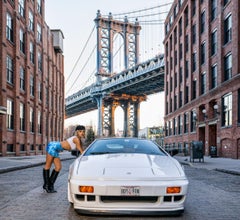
{"points": [[212, 195]]}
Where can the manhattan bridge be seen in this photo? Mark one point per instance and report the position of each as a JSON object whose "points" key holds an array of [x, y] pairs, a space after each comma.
{"points": [[120, 78]]}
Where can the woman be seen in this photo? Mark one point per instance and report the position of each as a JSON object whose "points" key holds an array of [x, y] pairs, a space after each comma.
{"points": [[52, 156]]}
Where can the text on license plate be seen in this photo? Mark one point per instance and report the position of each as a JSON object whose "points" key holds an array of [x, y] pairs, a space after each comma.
{"points": [[130, 190]]}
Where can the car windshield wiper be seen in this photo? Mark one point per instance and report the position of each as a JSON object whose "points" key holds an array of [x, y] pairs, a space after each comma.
{"points": [[97, 153]]}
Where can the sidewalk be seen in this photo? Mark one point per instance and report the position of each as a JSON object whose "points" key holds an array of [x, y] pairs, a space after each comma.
{"points": [[226, 165], [8, 164]]}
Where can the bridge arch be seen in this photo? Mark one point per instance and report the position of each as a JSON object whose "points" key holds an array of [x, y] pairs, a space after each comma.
{"points": [[106, 27]]}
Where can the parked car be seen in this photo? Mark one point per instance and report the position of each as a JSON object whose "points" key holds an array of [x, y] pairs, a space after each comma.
{"points": [[126, 176]]}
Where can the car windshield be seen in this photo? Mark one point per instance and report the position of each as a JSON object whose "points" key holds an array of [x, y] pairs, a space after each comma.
{"points": [[124, 145]]}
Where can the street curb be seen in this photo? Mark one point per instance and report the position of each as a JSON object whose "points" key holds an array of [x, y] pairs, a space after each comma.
{"points": [[228, 171], [216, 169], [10, 169]]}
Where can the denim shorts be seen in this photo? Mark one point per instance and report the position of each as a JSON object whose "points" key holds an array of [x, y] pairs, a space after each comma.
{"points": [[53, 148]]}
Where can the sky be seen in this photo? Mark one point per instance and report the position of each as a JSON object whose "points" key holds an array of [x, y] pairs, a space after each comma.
{"points": [[76, 20]]}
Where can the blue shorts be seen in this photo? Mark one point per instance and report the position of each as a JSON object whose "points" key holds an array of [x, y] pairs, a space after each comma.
{"points": [[53, 148]]}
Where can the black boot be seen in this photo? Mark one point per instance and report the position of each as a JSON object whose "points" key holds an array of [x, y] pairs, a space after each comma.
{"points": [[45, 179], [52, 180]]}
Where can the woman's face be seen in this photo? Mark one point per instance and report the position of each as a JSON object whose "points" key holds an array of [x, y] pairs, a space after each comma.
{"points": [[81, 133]]}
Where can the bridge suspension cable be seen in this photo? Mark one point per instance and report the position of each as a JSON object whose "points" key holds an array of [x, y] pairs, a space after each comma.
{"points": [[147, 18], [85, 46]]}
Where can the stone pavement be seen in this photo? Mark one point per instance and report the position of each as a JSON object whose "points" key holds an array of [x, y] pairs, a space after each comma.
{"points": [[8, 164], [226, 165]]}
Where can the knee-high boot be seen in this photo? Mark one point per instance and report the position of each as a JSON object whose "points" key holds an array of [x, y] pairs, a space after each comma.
{"points": [[52, 180], [45, 179]]}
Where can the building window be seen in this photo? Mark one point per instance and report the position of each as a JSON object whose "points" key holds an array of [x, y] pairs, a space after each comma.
{"points": [[175, 57], [22, 147], [213, 9], [9, 27], [22, 40], [180, 99], [171, 104], [171, 82], [39, 61], [225, 2], [31, 119], [186, 43], [175, 35], [31, 52], [228, 29], [175, 126], [39, 6], [175, 80], [175, 102], [193, 7], [186, 69], [214, 43], [203, 83], [186, 94], [170, 128], [194, 61], [203, 18], [180, 75], [10, 115], [180, 27], [10, 148], [227, 67], [214, 76], [39, 91], [203, 53], [9, 68], [186, 17], [227, 110], [238, 106], [39, 33], [31, 85], [31, 21], [180, 51], [194, 89], [186, 122], [21, 8], [39, 122], [194, 34], [22, 79], [193, 121], [180, 124], [22, 117]]}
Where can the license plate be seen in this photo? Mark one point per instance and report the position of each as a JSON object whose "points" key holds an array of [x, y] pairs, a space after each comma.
{"points": [[130, 190]]}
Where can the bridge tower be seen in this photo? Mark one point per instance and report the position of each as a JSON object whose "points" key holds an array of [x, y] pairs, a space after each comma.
{"points": [[107, 103]]}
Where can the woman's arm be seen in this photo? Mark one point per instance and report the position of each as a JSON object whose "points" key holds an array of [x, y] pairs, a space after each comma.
{"points": [[78, 144]]}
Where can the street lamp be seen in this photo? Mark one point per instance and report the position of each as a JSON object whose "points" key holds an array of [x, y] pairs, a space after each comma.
{"points": [[204, 111], [215, 107], [3, 110]]}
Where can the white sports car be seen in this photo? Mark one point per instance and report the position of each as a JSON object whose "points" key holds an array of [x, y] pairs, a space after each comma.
{"points": [[126, 176]]}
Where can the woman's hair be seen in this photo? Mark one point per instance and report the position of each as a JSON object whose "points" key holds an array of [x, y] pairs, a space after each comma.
{"points": [[80, 127]]}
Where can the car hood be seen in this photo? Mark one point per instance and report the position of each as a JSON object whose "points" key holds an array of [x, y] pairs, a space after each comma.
{"points": [[128, 166]]}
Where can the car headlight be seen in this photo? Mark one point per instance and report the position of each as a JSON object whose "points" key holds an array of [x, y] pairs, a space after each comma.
{"points": [[173, 189], [86, 189]]}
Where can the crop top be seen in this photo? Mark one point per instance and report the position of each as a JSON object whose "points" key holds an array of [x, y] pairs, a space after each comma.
{"points": [[70, 141]]}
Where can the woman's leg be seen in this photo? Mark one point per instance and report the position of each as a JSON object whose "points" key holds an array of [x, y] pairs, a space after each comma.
{"points": [[57, 164], [46, 171], [54, 174], [49, 161]]}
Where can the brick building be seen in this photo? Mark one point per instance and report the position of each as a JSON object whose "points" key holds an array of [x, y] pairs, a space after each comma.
{"points": [[202, 81], [31, 81]]}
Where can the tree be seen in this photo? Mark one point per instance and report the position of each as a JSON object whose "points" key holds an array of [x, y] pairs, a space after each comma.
{"points": [[90, 137]]}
